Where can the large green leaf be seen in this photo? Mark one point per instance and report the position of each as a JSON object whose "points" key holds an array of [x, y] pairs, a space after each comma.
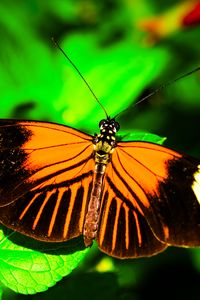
{"points": [[28, 266]]}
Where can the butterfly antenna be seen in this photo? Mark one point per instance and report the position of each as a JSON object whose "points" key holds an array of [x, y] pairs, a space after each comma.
{"points": [[160, 88], [75, 67]]}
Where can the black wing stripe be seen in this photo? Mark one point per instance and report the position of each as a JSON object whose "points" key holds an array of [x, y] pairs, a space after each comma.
{"points": [[117, 192], [115, 232], [79, 209], [62, 183], [137, 161], [131, 177], [120, 231], [49, 196], [37, 184], [66, 160], [124, 232], [107, 222], [60, 194], [143, 200], [134, 209], [57, 227], [117, 223], [107, 235], [46, 212]]}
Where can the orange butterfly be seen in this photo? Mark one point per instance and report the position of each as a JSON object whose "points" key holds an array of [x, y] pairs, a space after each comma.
{"points": [[135, 198]]}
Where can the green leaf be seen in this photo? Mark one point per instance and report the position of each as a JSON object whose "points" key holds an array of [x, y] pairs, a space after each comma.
{"points": [[142, 136], [28, 266]]}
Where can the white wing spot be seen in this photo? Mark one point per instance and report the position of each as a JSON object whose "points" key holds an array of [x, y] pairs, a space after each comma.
{"points": [[196, 184]]}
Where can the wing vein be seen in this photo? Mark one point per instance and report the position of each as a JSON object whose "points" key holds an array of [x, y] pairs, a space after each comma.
{"points": [[141, 163]]}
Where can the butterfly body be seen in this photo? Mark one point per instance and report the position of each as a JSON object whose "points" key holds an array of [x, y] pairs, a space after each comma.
{"points": [[134, 198], [104, 144]]}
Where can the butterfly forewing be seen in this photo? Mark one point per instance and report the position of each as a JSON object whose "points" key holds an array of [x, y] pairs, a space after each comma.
{"points": [[45, 179]]}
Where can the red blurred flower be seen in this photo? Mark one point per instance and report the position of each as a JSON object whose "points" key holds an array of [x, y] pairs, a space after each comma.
{"points": [[175, 19], [193, 16]]}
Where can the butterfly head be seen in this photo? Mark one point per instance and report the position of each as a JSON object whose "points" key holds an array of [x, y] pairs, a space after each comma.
{"points": [[108, 128], [105, 142], [109, 125]]}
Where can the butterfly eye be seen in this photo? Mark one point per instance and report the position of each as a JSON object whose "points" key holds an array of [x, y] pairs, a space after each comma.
{"points": [[102, 123], [117, 126]]}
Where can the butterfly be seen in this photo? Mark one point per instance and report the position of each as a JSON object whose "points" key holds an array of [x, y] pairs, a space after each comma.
{"points": [[134, 198]]}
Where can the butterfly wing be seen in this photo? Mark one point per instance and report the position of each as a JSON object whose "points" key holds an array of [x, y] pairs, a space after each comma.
{"points": [[46, 175], [151, 200]]}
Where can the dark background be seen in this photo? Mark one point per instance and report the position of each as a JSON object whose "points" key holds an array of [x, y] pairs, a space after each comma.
{"points": [[125, 50]]}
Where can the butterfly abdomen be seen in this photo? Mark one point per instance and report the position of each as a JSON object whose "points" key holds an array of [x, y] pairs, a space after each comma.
{"points": [[92, 216], [102, 157]]}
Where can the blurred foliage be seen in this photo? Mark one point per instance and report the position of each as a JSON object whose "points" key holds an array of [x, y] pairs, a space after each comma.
{"points": [[125, 50]]}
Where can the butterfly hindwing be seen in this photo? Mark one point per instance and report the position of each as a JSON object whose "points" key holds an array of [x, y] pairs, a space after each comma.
{"points": [[123, 229], [161, 187], [45, 178]]}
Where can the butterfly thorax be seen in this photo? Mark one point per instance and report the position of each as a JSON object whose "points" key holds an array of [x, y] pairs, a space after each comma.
{"points": [[102, 152], [104, 144]]}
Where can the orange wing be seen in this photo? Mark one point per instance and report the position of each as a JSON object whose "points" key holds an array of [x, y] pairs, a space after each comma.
{"points": [[46, 173], [149, 201]]}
